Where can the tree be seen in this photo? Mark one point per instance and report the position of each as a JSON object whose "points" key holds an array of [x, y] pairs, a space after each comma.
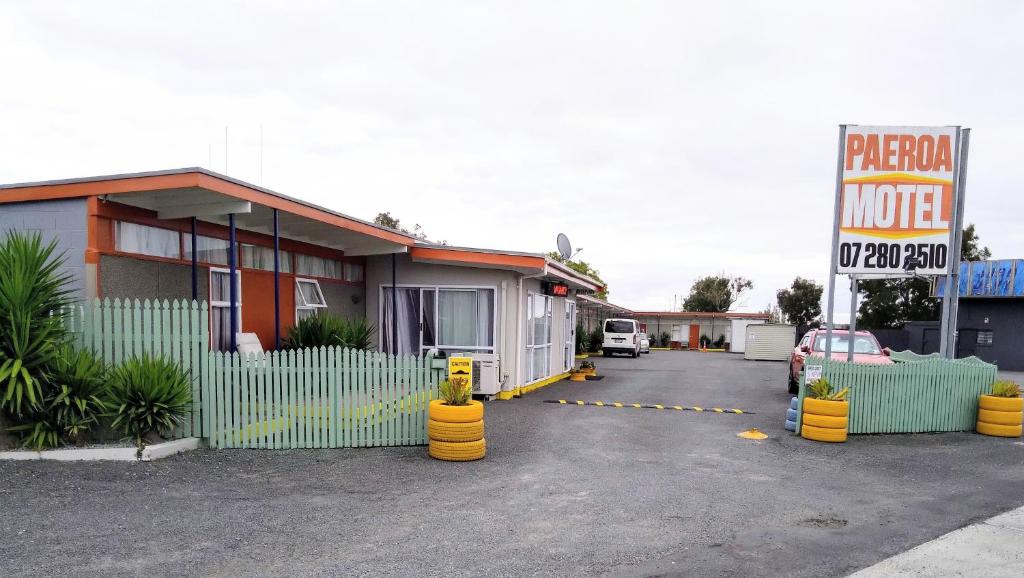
{"points": [[386, 220], [801, 302], [774, 313], [583, 268], [716, 293], [890, 303]]}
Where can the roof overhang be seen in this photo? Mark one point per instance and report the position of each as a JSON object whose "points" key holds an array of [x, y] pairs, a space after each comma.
{"points": [[196, 192], [588, 302], [531, 264]]}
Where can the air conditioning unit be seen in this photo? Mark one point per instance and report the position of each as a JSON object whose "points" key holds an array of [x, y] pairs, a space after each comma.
{"points": [[486, 379]]}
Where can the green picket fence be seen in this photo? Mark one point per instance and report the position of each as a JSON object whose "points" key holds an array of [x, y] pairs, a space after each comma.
{"points": [[318, 398], [930, 395], [118, 330]]}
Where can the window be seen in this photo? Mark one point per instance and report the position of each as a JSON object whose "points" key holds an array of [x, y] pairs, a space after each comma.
{"points": [[308, 298], [538, 337], [259, 257], [145, 240], [354, 272], [613, 326], [318, 267], [841, 342], [209, 249], [984, 338], [220, 308], [454, 319]]}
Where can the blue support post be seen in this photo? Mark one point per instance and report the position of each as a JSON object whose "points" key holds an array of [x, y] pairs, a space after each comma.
{"points": [[233, 281], [277, 282], [195, 262]]}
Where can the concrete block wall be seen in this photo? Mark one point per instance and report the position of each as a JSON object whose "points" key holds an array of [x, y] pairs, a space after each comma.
{"points": [[63, 220]]}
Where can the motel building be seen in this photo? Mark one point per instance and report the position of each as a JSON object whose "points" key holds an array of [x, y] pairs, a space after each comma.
{"points": [[686, 327], [170, 234]]}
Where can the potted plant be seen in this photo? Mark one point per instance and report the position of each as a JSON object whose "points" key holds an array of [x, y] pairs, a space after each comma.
{"points": [[825, 413], [455, 427], [588, 368], [577, 374], [1000, 413]]}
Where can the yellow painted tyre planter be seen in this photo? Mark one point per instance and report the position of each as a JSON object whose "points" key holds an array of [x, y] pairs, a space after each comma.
{"points": [[440, 411], [824, 407], [993, 403], [1003, 431], [470, 431], [825, 421], [1000, 417], [457, 451], [578, 377], [822, 434]]}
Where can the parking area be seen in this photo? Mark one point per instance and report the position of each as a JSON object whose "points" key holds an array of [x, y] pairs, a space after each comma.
{"points": [[564, 490]]}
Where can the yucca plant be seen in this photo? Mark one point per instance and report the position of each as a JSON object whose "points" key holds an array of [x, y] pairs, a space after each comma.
{"points": [[32, 293], [822, 389], [587, 364], [1005, 388], [456, 391], [148, 396], [358, 334], [72, 400], [327, 330]]}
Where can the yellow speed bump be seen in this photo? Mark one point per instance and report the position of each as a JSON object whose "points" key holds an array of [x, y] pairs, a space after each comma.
{"points": [[648, 406]]}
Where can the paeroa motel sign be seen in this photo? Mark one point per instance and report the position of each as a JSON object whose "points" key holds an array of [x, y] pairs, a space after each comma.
{"points": [[896, 199]]}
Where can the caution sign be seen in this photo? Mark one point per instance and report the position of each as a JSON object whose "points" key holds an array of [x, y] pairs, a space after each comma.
{"points": [[460, 368]]}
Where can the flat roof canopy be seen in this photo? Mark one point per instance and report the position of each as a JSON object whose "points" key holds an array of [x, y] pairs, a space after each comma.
{"points": [[211, 197]]}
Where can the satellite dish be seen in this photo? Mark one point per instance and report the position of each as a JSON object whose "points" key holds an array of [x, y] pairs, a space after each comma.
{"points": [[564, 247]]}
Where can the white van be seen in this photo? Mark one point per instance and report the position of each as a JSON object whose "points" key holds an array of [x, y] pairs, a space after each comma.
{"points": [[621, 336]]}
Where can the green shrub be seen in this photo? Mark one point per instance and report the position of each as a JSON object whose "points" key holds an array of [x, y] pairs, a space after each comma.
{"points": [[32, 289], [581, 339], [1005, 388], [327, 330], [666, 339], [73, 392], [148, 396], [596, 340], [720, 342], [456, 391]]}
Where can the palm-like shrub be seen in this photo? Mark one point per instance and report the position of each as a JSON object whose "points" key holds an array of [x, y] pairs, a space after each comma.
{"points": [[456, 391], [581, 339], [32, 292], [358, 334], [596, 340], [823, 389], [326, 330], [148, 396], [73, 392], [1005, 388]]}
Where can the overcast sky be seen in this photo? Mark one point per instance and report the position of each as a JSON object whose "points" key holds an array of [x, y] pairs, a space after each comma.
{"points": [[668, 140]]}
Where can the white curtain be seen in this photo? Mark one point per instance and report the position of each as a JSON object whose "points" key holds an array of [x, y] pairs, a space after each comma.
{"points": [[407, 314], [144, 240], [466, 318]]}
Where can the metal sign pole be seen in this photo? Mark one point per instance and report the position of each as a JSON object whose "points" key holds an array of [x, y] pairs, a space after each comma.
{"points": [[952, 255], [829, 321], [854, 286], [953, 286]]}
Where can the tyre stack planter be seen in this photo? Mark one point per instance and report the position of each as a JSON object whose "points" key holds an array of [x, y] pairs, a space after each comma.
{"points": [[1000, 416], [824, 420], [456, 432], [792, 413]]}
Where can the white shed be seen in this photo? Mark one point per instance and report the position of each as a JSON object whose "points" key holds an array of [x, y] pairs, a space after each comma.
{"points": [[772, 342], [738, 344]]}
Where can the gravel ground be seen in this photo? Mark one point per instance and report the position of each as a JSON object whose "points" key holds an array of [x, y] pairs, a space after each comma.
{"points": [[565, 490]]}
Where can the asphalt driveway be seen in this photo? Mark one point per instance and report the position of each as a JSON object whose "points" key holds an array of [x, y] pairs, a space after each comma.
{"points": [[565, 490]]}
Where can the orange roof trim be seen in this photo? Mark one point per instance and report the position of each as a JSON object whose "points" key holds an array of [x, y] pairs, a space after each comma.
{"points": [[478, 258], [192, 178]]}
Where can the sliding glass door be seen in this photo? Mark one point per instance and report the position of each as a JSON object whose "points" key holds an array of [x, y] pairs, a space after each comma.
{"points": [[452, 319], [538, 337]]}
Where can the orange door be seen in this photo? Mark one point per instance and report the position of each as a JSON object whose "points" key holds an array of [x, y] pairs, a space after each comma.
{"points": [[694, 335]]}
